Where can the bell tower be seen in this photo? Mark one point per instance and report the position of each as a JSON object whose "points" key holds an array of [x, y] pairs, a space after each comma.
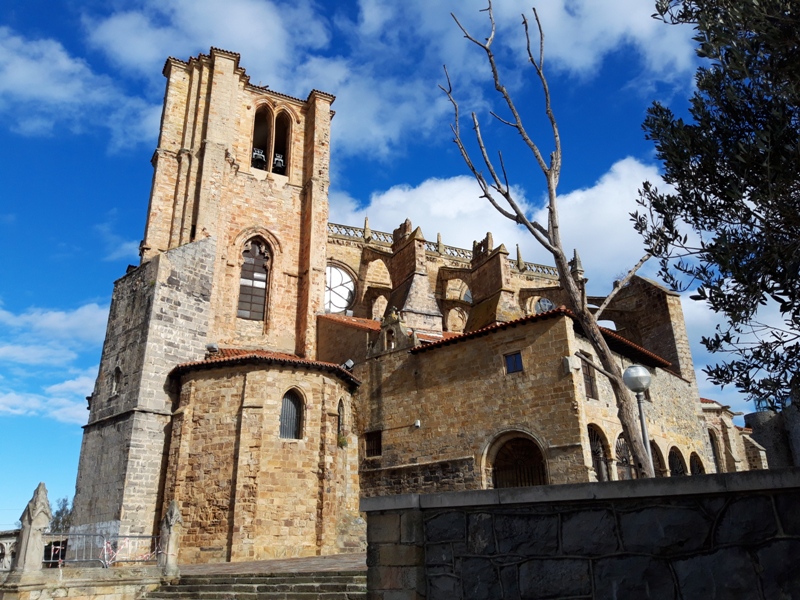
{"points": [[233, 255]]}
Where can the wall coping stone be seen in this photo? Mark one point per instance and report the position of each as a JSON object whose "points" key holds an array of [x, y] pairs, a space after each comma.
{"points": [[745, 481]]}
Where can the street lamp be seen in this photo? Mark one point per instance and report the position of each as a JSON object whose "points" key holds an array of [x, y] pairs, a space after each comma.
{"points": [[637, 380]]}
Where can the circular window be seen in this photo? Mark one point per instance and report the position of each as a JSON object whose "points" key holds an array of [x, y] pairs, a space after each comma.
{"points": [[339, 290], [543, 305]]}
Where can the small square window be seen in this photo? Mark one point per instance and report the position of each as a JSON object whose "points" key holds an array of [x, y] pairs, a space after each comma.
{"points": [[513, 362], [374, 443]]}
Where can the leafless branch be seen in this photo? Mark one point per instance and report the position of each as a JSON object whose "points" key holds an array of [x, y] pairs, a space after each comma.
{"points": [[621, 284]]}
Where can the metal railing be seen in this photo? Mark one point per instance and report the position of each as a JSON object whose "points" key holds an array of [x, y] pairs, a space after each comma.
{"points": [[65, 548]]}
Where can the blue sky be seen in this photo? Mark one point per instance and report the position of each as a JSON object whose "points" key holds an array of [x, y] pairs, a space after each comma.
{"points": [[80, 101]]}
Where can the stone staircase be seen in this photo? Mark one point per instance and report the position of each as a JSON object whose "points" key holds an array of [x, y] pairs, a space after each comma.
{"points": [[322, 585]]}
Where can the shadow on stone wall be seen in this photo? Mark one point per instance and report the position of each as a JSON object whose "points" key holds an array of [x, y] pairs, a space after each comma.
{"points": [[733, 536]]}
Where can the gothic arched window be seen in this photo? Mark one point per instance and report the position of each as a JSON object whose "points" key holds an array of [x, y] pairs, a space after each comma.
{"points": [[292, 416], [271, 141], [262, 139], [253, 281]]}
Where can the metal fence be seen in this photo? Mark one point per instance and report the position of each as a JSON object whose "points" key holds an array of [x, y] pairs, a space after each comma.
{"points": [[103, 551]]}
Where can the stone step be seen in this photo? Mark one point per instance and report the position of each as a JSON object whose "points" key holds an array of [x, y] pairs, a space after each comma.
{"points": [[323, 585]]}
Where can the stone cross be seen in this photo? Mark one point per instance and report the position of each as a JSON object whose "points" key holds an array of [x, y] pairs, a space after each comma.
{"points": [[30, 543]]}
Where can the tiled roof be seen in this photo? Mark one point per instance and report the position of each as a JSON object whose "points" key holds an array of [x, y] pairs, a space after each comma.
{"points": [[616, 341], [358, 323], [708, 401], [744, 429], [238, 356], [557, 312], [373, 325]]}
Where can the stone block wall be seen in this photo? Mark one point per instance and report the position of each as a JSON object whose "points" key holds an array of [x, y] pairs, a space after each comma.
{"points": [[673, 412], [466, 402], [120, 583], [733, 536], [244, 492], [159, 317]]}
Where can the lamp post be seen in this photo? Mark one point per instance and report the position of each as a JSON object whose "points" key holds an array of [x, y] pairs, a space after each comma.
{"points": [[637, 380]]}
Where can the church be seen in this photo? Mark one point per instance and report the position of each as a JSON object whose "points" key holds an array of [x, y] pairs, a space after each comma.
{"points": [[265, 369]]}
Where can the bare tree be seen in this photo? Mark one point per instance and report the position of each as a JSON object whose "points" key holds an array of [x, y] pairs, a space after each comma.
{"points": [[497, 190]]}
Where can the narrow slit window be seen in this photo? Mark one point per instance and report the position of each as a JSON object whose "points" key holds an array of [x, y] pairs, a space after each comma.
{"points": [[513, 362]]}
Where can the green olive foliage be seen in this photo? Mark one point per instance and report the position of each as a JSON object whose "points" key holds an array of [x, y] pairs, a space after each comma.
{"points": [[730, 227]]}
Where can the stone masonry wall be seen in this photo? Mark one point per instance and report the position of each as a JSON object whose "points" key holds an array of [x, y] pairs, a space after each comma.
{"points": [[673, 412], [465, 402], [159, 318], [244, 492], [733, 536], [119, 583]]}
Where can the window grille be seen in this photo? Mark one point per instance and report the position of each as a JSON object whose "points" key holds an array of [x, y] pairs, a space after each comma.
{"points": [[658, 462], [513, 362], [340, 419], [519, 463], [253, 281], [291, 417], [599, 458], [589, 382], [625, 470], [374, 443], [696, 465], [677, 467]]}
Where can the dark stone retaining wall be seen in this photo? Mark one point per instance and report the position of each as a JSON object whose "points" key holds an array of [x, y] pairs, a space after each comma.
{"points": [[732, 536]]}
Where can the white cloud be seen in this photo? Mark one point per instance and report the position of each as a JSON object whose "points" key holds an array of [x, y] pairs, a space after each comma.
{"points": [[116, 247], [594, 220], [80, 386], [44, 88], [85, 324], [61, 409], [385, 62], [452, 207], [35, 354]]}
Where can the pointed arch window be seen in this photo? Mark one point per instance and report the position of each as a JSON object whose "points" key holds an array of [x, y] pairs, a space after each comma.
{"points": [[291, 416], [254, 280], [271, 141]]}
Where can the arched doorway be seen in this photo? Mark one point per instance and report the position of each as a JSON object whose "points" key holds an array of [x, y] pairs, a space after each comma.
{"points": [[677, 466], [600, 459], [625, 470], [658, 460], [518, 463], [696, 465]]}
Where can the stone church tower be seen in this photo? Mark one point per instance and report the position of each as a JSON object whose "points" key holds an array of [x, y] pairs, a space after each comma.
{"points": [[232, 276]]}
